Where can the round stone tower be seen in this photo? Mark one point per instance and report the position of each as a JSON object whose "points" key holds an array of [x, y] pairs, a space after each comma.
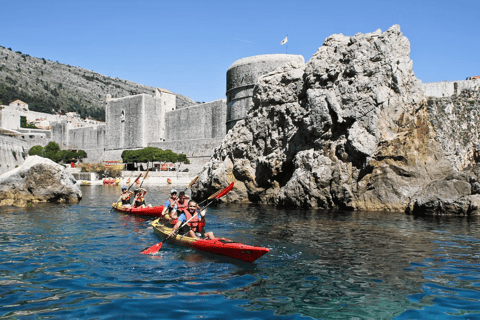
{"points": [[242, 76]]}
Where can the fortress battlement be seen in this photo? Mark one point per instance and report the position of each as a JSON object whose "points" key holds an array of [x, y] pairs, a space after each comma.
{"points": [[449, 88]]}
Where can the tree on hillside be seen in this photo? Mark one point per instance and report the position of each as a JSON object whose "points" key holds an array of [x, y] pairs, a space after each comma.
{"points": [[52, 151], [52, 146], [36, 151]]}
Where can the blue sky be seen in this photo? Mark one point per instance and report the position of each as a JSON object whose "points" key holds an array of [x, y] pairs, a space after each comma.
{"points": [[187, 46]]}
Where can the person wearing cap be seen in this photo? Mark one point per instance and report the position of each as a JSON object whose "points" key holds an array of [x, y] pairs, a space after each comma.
{"points": [[125, 197], [171, 205], [182, 202], [193, 228]]}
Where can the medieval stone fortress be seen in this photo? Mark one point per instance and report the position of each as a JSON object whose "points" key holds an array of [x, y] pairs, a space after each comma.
{"points": [[146, 120]]}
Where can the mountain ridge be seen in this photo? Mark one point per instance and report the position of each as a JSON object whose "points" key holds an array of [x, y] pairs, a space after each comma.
{"points": [[48, 86]]}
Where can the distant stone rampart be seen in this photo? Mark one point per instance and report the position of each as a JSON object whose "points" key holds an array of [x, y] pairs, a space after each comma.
{"points": [[242, 76], [135, 121], [90, 139], [12, 153], [449, 88], [203, 121], [191, 148]]}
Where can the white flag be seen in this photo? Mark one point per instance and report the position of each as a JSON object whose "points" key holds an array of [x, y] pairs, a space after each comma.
{"points": [[284, 40]]}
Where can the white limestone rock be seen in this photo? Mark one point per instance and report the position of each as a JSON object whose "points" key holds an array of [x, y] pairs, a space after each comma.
{"points": [[38, 180], [349, 129]]}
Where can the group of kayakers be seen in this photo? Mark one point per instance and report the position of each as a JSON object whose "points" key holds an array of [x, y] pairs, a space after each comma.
{"points": [[182, 213], [187, 209], [138, 198]]}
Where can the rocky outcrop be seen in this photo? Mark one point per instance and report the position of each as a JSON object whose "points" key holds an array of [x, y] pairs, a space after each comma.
{"points": [[455, 120], [349, 129], [38, 180], [458, 193]]}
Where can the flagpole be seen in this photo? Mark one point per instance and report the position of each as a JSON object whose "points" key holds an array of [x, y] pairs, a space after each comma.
{"points": [[286, 48]]}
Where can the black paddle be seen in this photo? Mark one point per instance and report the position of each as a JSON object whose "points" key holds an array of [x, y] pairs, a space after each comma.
{"points": [[146, 174], [217, 195]]}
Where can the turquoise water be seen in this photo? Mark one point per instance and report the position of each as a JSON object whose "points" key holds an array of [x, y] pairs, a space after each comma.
{"points": [[82, 261]]}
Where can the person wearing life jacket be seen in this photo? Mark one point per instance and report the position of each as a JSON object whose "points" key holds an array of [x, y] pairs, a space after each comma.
{"points": [[193, 227], [139, 201], [171, 205], [125, 197], [182, 202]]}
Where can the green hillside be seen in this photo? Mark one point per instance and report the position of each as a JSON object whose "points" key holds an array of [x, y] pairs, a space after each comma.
{"points": [[48, 86]]}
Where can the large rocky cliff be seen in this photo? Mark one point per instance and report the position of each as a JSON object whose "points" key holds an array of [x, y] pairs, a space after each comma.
{"points": [[349, 129], [45, 85]]}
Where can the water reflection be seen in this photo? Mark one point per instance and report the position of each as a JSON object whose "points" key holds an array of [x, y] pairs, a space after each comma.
{"points": [[83, 261], [344, 264]]}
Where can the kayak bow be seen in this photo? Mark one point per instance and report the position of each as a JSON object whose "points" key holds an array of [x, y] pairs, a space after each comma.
{"points": [[147, 211], [219, 246]]}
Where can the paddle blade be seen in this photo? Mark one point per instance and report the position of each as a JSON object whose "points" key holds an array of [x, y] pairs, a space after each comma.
{"points": [[214, 195], [193, 182], [138, 178], [153, 249], [145, 177], [135, 181], [225, 191]]}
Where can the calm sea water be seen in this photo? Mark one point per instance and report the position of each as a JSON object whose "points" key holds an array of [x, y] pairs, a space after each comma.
{"points": [[82, 261]]}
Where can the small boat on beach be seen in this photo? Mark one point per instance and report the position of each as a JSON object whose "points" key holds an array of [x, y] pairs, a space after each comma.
{"points": [[108, 182], [221, 246], [147, 211]]}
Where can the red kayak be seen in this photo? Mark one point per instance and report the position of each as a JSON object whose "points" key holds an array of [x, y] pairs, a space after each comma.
{"points": [[220, 246], [147, 211]]}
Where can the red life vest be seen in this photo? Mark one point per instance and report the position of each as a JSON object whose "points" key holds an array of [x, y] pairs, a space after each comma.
{"points": [[126, 198], [194, 223], [172, 203], [139, 201], [182, 206]]}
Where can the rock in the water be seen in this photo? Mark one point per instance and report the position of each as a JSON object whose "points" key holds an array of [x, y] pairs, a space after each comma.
{"points": [[349, 129], [38, 180]]}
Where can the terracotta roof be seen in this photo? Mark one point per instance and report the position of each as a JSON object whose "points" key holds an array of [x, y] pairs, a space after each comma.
{"points": [[18, 101]]}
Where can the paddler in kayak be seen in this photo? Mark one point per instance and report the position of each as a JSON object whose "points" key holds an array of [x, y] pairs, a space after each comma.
{"points": [[171, 205], [125, 197], [192, 228], [182, 204], [139, 201]]}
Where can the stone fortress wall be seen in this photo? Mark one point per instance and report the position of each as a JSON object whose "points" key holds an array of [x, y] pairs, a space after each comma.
{"points": [[204, 121], [143, 120], [90, 139], [449, 88], [195, 131], [12, 152], [242, 76]]}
